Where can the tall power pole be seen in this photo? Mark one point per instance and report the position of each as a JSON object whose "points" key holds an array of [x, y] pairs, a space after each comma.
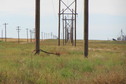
{"points": [[37, 27], [27, 34], [72, 29], [63, 27], [59, 23], [86, 28], [18, 30], [5, 30], [69, 11], [75, 19]]}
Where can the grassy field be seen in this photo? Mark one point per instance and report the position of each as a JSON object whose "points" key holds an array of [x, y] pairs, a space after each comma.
{"points": [[106, 63]]}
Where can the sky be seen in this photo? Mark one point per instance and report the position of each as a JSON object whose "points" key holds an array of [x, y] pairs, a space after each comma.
{"points": [[106, 17]]}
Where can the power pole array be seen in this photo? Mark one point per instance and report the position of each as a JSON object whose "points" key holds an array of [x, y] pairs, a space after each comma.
{"points": [[69, 14]]}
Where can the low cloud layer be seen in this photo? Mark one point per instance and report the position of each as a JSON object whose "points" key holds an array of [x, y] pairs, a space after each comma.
{"points": [[48, 7]]}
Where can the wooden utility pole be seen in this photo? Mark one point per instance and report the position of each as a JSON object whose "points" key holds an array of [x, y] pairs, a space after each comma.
{"points": [[65, 31], [51, 35], [86, 28], [2, 35], [27, 34], [45, 35], [18, 30], [37, 27], [48, 35], [59, 24], [42, 35], [30, 35], [5, 31], [72, 30], [63, 27], [75, 20]]}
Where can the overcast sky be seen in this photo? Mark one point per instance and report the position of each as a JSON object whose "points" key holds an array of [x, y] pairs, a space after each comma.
{"points": [[107, 17]]}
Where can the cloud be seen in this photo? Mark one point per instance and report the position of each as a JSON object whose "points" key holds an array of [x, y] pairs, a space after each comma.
{"points": [[49, 7], [110, 7], [27, 7], [17, 6]]}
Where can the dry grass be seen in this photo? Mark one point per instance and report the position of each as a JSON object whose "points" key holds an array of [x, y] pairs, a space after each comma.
{"points": [[106, 63], [110, 78]]}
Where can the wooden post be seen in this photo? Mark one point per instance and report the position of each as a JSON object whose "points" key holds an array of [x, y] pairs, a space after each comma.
{"points": [[42, 35], [5, 31], [72, 30], [59, 24], [27, 34], [75, 20], [65, 31], [86, 28], [18, 30], [51, 35], [37, 27], [30, 35], [2, 34], [63, 27]]}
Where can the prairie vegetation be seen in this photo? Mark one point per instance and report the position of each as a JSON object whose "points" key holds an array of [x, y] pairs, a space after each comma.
{"points": [[106, 63]]}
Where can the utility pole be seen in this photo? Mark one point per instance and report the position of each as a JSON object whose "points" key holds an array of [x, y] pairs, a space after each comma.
{"points": [[122, 35], [48, 35], [37, 27], [5, 31], [69, 12], [27, 34], [86, 28], [18, 30], [63, 27], [30, 35], [65, 31], [45, 36], [51, 35], [2, 35], [75, 19], [42, 35], [72, 30], [59, 24]]}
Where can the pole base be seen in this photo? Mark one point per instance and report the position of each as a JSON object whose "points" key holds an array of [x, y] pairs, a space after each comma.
{"points": [[38, 52]]}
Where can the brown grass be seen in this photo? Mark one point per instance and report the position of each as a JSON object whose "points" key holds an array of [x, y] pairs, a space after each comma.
{"points": [[110, 78]]}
